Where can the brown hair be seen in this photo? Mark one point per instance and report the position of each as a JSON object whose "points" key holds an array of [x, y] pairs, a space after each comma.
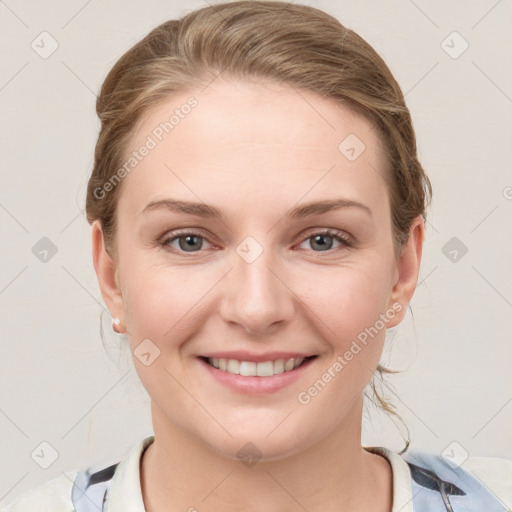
{"points": [[281, 42]]}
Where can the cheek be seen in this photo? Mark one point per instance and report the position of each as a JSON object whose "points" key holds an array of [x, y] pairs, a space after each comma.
{"points": [[164, 303], [346, 301], [161, 302], [347, 306]]}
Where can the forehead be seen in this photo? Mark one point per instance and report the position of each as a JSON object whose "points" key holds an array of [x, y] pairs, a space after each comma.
{"points": [[260, 138]]}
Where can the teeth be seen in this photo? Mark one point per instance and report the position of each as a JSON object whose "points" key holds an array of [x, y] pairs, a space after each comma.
{"points": [[288, 365], [248, 369], [251, 369], [233, 366], [265, 369], [278, 366]]}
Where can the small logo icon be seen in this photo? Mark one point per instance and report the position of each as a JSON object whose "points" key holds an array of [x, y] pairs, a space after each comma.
{"points": [[249, 249], [44, 250], [44, 45], [454, 250], [146, 352], [249, 454], [44, 455], [455, 454], [454, 45], [351, 147]]}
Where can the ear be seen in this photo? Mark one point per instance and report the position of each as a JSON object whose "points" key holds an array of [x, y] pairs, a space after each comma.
{"points": [[108, 275], [406, 272]]}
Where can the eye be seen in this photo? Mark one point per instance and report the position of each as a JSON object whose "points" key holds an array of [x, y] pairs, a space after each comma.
{"points": [[187, 241], [192, 242], [322, 240]]}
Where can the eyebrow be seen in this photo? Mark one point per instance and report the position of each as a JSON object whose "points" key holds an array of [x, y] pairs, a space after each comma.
{"points": [[299, 212]]}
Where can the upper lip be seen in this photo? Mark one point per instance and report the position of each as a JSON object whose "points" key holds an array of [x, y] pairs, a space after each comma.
{"points": [[256, 358]]}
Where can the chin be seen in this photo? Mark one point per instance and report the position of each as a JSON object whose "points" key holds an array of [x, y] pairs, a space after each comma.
{"points": [[257, 446]]}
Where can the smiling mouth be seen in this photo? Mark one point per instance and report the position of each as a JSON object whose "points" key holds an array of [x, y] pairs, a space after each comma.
{"points": [[261, 369]]}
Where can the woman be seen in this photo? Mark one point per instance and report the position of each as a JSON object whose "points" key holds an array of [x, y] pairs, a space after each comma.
{"points": [[257, 210]]}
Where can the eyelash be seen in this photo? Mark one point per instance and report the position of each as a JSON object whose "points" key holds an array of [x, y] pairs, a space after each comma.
{"points": [[337, 235]]}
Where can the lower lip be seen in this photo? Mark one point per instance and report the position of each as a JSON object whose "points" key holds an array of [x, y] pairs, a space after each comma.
{"points": [[256, 385]]}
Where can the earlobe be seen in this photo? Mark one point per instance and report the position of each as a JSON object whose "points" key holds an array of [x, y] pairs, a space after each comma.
{"points": [[107, 274], [407, 271]]}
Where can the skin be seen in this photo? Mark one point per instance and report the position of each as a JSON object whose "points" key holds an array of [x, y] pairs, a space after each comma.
{"points": [[257, 150]]}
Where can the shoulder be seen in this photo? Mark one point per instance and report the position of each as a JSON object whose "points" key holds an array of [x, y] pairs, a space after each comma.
{"points": [[74, 491], [51, 496], [466, 483], [90, 489]]}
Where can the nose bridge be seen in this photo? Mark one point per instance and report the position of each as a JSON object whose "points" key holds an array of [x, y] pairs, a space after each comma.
{"points": [[257, 298]]}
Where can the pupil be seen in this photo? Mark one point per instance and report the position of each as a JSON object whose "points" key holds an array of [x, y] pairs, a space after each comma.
{"points": [[316, 240], [322, 246], [187, 245]]}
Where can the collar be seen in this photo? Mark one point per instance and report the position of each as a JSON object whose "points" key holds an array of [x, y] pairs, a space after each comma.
{"points": [[402, 483], [125, 494]]}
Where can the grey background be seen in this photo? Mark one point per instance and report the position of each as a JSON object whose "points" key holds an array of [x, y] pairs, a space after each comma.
{"points": [[58, 383]]}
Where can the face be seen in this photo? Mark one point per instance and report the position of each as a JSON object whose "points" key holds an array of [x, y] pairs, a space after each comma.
{"points": [[288, 253]]}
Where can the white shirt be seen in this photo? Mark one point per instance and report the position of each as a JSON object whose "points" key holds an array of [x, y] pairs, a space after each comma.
{"points": [[422, 482]]}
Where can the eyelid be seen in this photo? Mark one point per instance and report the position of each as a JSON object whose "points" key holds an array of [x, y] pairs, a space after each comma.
{"points": [[346, 240], [346, 237], [172, 235]]}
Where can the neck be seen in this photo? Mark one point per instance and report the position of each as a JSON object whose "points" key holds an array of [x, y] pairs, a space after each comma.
{"points": [[179, 472]]}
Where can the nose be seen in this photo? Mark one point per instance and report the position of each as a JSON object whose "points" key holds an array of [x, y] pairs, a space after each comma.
{"points": [[257, 296]]}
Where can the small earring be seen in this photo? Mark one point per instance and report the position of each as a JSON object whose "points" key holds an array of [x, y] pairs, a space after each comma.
{"points": [[115, 323]]}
